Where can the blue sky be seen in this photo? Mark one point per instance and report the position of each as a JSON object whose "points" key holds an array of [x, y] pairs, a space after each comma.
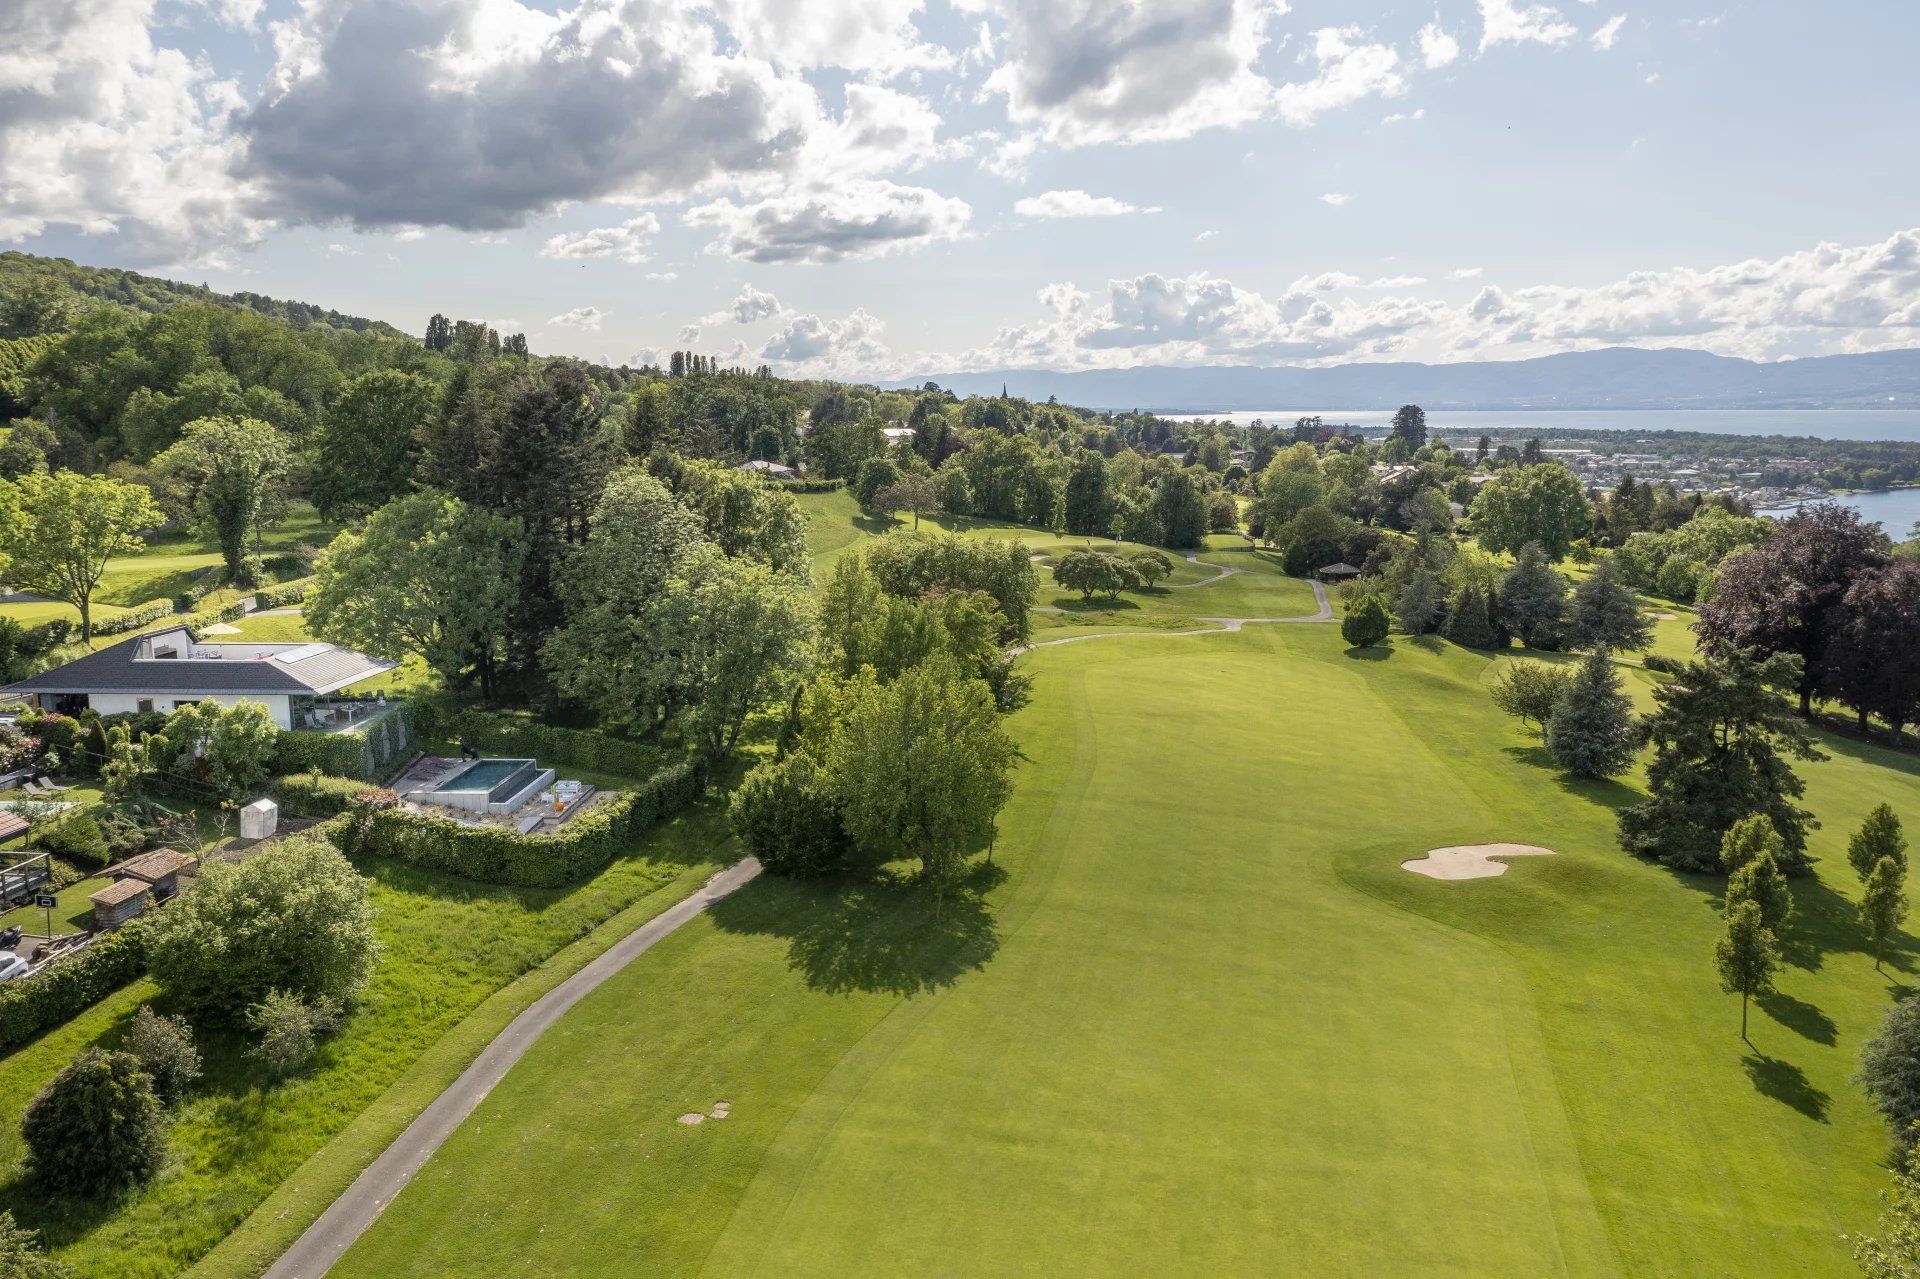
{"points": [[871, 188]]}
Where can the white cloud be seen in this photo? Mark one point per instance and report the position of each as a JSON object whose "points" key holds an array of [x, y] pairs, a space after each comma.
{"points": [[1406, 117], [1076, 204], [853, 220], [585, 318], [810, 346], [1204, 236], [627, 242], [1609, 32], [1437, 47], [1515, 22], [508, 326], [663, 276], [1336, 198], [861, 35], [1349, 71], [1466, 273], [750, 306]]}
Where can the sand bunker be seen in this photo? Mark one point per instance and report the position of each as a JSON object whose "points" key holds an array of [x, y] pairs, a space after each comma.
{"points": [[693, 1118], [1664, 617], [1470, 861]]}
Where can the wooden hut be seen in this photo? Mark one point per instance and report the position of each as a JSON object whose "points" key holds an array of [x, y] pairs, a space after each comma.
{"points": [[160, 870], [118, 902]]}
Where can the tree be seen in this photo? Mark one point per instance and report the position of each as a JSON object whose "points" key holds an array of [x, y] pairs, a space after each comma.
{"points": [[1879, 837], [911, 564], [746, 516], [1748, 840], [1895, 1252], [365, 454], [1410, 427], [876, 474], [28, 448], [1417, 602], [921, 766], [1875, 651], [1180, 509], [232, 468], [1533, 599], [227, 749], [1365, 624], [1468, 624], [164, 1048], [428, 575], [1890, 1070], [1285, 491], [1721, 741], [1151, 565], [1745, 956], [58, 531], [1759, 881], [1883, 904], [785, 814], [1590, 730], [295, 918], [1606, 614], [289, 1028], [1087, 571], [1531, 691], [1787, 594], [20, 1255], [1542, 504], [96, 1128], [917, 492], [1089, 496], [732, 635]]}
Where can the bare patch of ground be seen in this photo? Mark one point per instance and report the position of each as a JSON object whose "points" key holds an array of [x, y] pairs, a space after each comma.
{"points": [[1470, 861], [693, 1118]]}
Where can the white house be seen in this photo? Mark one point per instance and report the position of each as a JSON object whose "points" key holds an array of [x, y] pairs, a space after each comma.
{"points": [[163, 669]]}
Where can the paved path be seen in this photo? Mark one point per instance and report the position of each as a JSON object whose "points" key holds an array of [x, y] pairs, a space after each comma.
{"points": [[1227, 625], [1220, 573], [337, 1228]]}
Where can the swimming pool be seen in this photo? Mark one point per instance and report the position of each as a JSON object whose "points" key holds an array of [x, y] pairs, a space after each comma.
{"points": [[497, 778]]}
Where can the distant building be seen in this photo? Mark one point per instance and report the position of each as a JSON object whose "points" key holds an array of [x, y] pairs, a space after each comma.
{"points": [[773, 470]]}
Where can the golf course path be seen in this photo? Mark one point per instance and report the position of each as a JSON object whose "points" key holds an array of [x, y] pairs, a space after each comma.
{"points": [[314, 1253], [1221, 573], [1227, 625]]}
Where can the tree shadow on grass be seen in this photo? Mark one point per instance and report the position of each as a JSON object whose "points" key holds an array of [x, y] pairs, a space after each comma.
{"points": [[1786, 1083], [1799, 1016], [1376, 654], [878, 932], [1098, 604]]}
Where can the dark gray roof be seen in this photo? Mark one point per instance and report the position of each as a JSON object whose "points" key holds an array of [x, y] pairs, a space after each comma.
{"points": [[115, 670]]}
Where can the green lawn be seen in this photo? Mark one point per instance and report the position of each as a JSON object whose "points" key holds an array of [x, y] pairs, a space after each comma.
{"points": [[1204, 1023], [74, 911]]}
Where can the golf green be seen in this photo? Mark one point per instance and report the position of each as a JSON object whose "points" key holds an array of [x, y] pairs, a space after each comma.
{"points": [[1200, 1021]]}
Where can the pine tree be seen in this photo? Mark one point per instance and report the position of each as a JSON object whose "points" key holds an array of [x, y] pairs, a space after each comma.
{"points": [[1591, 733], [1468, 624], [1605, 613], [1533, 599], [1879, 836], [1745, 957], [1417, 603], [1883, 904], [1365, 625], [1748, 839], [1760, 882]]}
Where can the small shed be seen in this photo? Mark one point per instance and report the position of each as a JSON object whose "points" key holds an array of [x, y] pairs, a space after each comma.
{"points": [[159, 870], [11, 825], [118, 902], [1340, 571]]}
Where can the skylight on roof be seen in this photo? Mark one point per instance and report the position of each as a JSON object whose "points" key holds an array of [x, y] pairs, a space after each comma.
{"points": [[302, 653]]}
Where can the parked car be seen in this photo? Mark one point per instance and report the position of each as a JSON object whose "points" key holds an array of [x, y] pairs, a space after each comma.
{"points": [[12, 966]]}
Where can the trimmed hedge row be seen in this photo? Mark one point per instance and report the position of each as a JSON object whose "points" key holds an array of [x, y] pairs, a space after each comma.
{"points": [[61, 992], [230, 613], [365, 753], [581, 748], [134, 618], [812, 486], [497, 855], [284, 594], [316, 794]]}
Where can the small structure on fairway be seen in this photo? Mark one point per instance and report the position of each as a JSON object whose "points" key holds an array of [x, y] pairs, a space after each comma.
{"points": [[1470, 861], [1340, 571]]}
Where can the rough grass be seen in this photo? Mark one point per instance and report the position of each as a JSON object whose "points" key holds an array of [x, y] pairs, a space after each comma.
{"points": [[1197, 1020]]}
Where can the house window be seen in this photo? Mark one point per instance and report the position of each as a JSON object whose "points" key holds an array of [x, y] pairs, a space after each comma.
{"points": [[144, 706]]}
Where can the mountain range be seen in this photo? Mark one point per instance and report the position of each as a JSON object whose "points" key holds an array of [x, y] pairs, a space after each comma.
{"points": [[1613, 378]]}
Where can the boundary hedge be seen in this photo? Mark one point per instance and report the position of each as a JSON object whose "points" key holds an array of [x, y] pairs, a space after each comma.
{"points": [[64, 990], [527, 739], [134, 618], [500, 855], [366, 753]]}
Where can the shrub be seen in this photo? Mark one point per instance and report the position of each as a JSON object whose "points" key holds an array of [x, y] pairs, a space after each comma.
{"points": [[315, 794], [282, 595], [295, 918], [96, 1128], [225, 748], [133, 619], [20, 1255], [494, 855], [32, 1005], [812, 486], [1890, 1070], [785, 815], [74, 836], [164, 1048], [1366, 624], [1530, 691], [366, 753], [289, 1028]]}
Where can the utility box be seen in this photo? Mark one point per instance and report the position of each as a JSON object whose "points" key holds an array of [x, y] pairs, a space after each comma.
{"points": [[259, 819]]}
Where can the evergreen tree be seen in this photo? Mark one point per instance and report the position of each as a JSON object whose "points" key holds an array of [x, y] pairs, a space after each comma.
{"points": [[1883, 904], [1416, 603], [1879, 836], [96, 1128], [1410, 427], [1591, 732], [1890, 1071], [1606, 614], [1533, 599], [1365, 625], [1468, 624], [1745, 956], [1760, 882]]}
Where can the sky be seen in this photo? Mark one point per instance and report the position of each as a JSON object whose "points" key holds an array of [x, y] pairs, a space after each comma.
{"points": [[877, 189]]}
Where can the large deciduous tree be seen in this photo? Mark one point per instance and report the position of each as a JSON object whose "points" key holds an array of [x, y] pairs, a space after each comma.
{"points": [[1787, 594], [429, 575], [1874, 656], [1722, 739], [58, 531], [232, 469], [1883, 904], [1745, 956], [1542, 504], [1089, 499], [365, 454]]}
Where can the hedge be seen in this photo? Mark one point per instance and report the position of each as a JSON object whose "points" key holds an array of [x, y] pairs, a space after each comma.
{"points": [[63, 990], [316, 794], [366, 753], [812, 486], [527, 739], [229, 613], [500, 855], [134, 618], [284, 594], [205, 582]]}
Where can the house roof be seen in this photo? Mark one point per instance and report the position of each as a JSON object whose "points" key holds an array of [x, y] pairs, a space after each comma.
{"points": [[237, 670], [119, 892], [1341, 569], [155, 866], [12, 824]]}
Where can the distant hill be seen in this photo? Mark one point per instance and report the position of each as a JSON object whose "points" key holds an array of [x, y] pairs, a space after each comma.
{"points": [[151, 294], [1615, 378]]}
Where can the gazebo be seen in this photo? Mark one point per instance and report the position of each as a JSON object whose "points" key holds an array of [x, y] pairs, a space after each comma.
{"points": [[1339, 571]]}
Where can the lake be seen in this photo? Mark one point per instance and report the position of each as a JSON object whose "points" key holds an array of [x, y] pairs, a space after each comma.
{"points": [[1895, 510], [1826, 424]]}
